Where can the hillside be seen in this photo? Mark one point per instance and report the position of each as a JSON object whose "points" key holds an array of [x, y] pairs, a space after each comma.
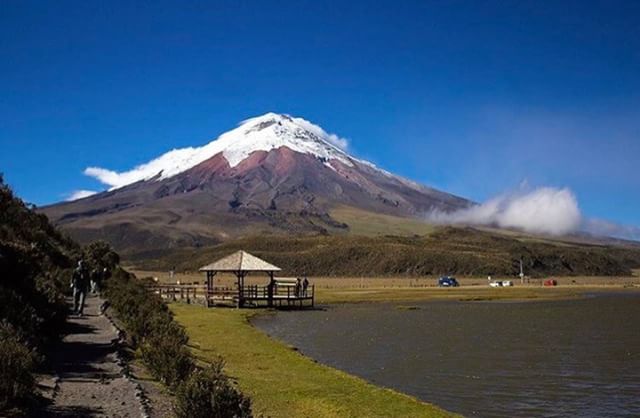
{"points": [[448, 250], [35, 263]]}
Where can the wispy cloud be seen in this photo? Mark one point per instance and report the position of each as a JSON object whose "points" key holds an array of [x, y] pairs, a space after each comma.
{"points": [[333, 139], [104, 176], [601, 227], [79, 194], [339, 142]]}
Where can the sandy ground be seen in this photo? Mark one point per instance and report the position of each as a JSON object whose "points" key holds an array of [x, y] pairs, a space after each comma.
{"points": [[91, 381]]}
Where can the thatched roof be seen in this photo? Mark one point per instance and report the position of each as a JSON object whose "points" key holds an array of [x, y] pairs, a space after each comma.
{"points": [[240, 261]]}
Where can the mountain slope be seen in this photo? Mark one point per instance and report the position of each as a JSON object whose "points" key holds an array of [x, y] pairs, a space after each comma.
{"points": [[448, 250], [272, 174]]}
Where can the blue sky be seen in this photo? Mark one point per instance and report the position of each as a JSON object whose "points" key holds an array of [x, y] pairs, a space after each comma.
{"points": [[470, 97]]}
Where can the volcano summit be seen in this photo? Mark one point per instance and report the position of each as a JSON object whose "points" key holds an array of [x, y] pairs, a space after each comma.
{"points": [[273, 173]]}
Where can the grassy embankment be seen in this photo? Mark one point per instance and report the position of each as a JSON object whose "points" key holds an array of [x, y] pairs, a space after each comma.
{"points": [[281, 381]]}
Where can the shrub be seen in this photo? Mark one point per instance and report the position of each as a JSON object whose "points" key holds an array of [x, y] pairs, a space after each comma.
{"points": [[209, 393], [16, 365], [150, 326], [166, 355], [100, 255], [35, 263], [163, 344]]}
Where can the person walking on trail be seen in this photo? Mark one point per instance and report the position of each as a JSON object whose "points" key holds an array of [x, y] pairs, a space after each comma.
{"points": [[80, 285], [93, 280]]}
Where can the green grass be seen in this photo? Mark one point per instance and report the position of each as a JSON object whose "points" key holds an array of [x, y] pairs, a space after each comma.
{"points": [[281, 381], [374, 224]]}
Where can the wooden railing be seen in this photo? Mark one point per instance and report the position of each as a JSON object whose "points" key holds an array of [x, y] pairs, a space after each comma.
{"points": [[192, 292], [288, 292], [271, 295]]}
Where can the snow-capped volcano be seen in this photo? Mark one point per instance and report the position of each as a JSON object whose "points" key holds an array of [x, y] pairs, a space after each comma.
{"points": [[263, 133], [273, 173]]}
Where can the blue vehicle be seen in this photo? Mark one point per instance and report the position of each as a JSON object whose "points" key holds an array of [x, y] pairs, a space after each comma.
{"points": [[447, 281]]}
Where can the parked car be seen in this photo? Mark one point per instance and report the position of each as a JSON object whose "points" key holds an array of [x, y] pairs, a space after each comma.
{"points": [[502, 283], [447, 281]]}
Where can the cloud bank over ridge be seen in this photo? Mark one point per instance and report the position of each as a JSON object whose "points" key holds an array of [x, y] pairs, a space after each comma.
{"points": [[545, 210]]}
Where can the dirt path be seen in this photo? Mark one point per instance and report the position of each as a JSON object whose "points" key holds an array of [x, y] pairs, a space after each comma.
{"points": [[91, 382]]}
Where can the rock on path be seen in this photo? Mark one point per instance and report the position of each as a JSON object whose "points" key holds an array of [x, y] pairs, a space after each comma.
{"points": [[91, 381]]}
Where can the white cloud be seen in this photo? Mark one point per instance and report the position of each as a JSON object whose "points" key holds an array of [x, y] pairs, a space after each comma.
{"points": [[544, 210], [333, 139], [336, 141], [108, 177], [79, 194]]}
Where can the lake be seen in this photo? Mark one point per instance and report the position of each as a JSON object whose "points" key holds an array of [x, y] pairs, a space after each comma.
{"points": [[490, 359]]}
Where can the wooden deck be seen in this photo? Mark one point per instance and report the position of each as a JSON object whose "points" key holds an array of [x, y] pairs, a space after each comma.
{"points": [[246, 296], [279, 296]]}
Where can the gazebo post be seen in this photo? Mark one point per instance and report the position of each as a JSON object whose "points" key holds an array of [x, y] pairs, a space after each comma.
{"points": [[209, 289], [270, 290], [240, 275]]}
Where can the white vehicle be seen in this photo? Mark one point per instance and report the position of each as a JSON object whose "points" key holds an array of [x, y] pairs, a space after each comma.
{"points": [[504, 283]]}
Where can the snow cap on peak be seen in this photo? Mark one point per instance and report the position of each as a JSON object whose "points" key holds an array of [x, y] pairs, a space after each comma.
{"points": [[292, 123], [262, 133]]}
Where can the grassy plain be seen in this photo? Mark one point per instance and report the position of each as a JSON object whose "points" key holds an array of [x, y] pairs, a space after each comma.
{"points": [[281, 381], [411, 289]]}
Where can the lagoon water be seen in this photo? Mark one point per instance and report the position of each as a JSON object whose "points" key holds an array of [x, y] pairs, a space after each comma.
{"points": [[489, 359]]}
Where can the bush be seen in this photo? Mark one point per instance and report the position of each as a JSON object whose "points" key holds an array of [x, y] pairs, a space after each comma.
{"points": [[209, 393], [166, 355], [163, 343], [35, 266], [100, 255], [150, 327], [17, 363]]}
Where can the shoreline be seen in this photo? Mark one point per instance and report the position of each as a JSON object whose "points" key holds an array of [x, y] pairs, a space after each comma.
{"points": [[611, 296], [282, 381], [235, 328]]}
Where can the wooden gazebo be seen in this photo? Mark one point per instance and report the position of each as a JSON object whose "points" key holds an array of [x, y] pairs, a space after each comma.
{"points": [[239, 263]]}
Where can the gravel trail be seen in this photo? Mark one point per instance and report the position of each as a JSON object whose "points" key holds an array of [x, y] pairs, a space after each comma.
{"points": [[91, 381]]}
